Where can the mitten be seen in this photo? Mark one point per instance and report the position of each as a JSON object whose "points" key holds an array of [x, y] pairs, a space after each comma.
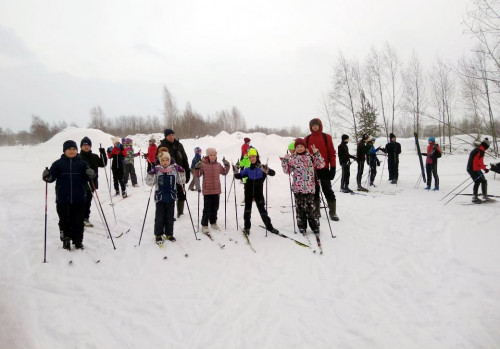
{"points": [[198, 165], [102, 151], [331, 173], [486, 170], [110, 149], [153, 171], [225, 162], [46, 174], [90, 173]]}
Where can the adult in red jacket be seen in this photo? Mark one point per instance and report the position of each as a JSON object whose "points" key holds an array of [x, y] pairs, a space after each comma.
{"points": [[245, 147], [324, 144], [474, 167]]}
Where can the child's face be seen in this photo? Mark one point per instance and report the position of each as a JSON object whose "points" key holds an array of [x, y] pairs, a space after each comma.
{"points": [[85, 148], [300, 149], [165, 161], [71, 152], [252, 158], [212, 157]]}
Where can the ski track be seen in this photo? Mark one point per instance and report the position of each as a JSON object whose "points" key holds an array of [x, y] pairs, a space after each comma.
{"points": [[405, 271]]}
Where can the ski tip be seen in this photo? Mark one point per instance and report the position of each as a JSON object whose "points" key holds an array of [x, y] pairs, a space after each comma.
{"points": [[186, 255]]}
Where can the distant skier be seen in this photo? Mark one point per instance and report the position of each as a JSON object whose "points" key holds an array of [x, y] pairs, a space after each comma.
{"points": [[345, 162], [150, 156], [94, 162], [434, 152], [372, 159], [361, 151], [474, 166], [244, 148], [302, 166], [72, 175], [128, 162], [195, 182], [117, 154], [392, 149]]}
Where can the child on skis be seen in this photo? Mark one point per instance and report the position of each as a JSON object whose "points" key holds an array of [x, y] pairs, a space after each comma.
{"points": [[72, 175], [474, 167], [210, 169], [195, 182], [128, 162], [150, 156], [94, 162], [372, 159], [255, 174], [165, 177], [117, 154], [303, 165], [344, 160], [433, 153]]}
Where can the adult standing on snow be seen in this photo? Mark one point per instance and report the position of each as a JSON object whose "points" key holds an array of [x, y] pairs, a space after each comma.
{"points": [[433, 154], [178, 155], [323, 142], [474, 167], [344, 160], [392, 149], [94, 162], [361, 151]]}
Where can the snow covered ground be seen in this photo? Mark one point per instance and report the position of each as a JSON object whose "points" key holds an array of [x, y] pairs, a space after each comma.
{"points": [[405, 271]]}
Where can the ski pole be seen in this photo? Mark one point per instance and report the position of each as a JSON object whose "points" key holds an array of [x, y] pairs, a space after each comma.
{"points": [[235, 205], [198, 220], [225, 202], [267, 212], [45, 234], [468, 185], [189, 211], [109, 184], [458, 186], [140, 165], [291, 200], [147, 207], [103, 215], [382, 174], [326, 212]]}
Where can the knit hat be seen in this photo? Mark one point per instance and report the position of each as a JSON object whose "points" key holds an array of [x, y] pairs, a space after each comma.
{"points": [[246, 139], [344, 137], [365, 137], [197, 150], [211, 151], [300, 141], [432, 139], [168, 131], [486, 143], [392, 135], [152, 140], [373, 139], [85, 140], [163, 154], [291, 146], [69, 144], [252, 151], [127, 141], [115, 140]]}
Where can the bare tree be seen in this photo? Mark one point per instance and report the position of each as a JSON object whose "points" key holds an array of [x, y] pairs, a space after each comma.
{"points": [[97, 118], [395, 85], [415, 91], [40, 130], [378, 75], [170, 111]]}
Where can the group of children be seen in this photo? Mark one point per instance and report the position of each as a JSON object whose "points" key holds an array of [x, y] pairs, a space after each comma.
{"points": [[76, 176]]}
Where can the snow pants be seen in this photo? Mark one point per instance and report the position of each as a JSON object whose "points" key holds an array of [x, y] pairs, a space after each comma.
{"points": [[118, 179], [479, 179], [71, 221], [164, 218], [359, 176], [432, 171], [210, 209], [261, 206], [392, 166], [306, 212], [129, 170], [346, 173]]}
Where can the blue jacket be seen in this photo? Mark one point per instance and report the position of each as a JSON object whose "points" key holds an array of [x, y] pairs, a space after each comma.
{"points": [[196, 159], [71, 179], [166, 179]]}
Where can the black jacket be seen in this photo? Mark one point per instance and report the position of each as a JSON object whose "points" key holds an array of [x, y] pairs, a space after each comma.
{"points": [[392, 149], [71, 179], [343, 153], [177, 155], [94, 162]]}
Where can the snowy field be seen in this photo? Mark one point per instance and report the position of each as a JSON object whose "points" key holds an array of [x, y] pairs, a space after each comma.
{"points": [[405, 271]]}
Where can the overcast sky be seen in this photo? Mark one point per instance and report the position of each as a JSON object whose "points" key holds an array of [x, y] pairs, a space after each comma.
{"points": [[271, 59]]}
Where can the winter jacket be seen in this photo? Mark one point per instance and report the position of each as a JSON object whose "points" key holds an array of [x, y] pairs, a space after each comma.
{"points": [[392, 149], [211, 172], [476, 160], [177, 155], [433, 153], [166, 179], [244, 149], [302, 166], [371, 156], [117, 154], [71, 179], [130, 155], [94, 162], [254, 185], [361, 150], [344, 155], [151, 155], [196, 159], [325, 148]]}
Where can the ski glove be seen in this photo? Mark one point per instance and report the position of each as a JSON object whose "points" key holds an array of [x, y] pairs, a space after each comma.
{"points": [[198, 165], [46, 175], [225, 162], [102, 151], [153, 171], [90, 173], [331, 173], [110, 149], [486, 170]]}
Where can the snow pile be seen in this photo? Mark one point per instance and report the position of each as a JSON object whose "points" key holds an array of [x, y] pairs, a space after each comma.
{"points": [[404, 271]]}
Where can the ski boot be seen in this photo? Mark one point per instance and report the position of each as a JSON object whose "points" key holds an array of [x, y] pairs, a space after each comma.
{"points": [[159, 239], [67, 244], [124, 194], [79, 246], [214, 226], [87, 223], [360, 188], [476, 200], [171, 238], [204, 229]]}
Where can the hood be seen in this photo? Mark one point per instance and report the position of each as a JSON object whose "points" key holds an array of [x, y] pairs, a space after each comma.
{"points": [[320, 125]]}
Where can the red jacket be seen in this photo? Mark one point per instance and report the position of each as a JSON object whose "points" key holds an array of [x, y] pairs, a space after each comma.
{"points": [[327, 150], [478, 160], [152, 153]]}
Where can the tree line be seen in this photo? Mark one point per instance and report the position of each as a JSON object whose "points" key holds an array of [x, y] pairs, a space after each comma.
{"points": [[383, 94]]}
